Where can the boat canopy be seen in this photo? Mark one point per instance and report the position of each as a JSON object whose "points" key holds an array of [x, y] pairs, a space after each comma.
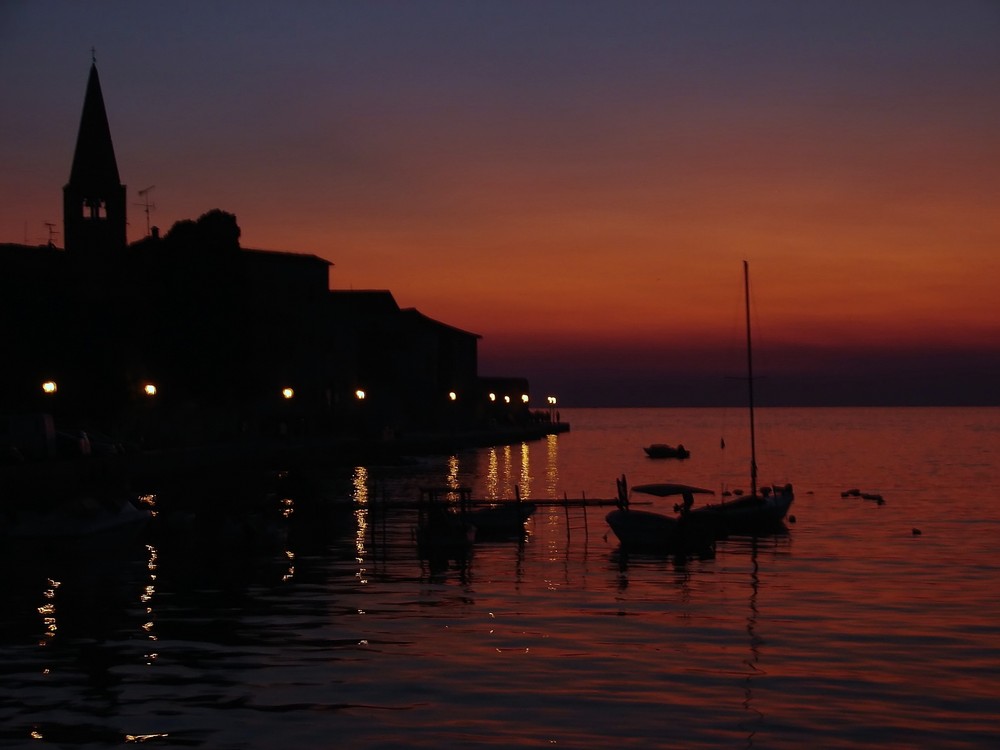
{"points": [[667, 489]]}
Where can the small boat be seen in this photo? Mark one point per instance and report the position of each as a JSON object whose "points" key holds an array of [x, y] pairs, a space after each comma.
{"points": [[648, 531], [452, 515], [500, 520], [442, 528], [78, 523], [662, 450]]}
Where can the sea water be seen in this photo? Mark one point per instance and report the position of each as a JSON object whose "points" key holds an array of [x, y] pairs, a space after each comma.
{"points": [[869, 623]]}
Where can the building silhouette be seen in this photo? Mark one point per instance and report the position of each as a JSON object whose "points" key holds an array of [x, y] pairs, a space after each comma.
{"points": [[188, 338]]}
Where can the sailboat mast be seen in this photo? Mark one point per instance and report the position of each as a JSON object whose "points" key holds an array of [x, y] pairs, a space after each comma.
{"points": [[753, 437]]}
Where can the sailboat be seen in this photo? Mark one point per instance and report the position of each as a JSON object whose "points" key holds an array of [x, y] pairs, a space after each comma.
{"points": [[762, 511]]}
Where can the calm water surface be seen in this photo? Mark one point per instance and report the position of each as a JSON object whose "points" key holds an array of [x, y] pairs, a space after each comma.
{"points": [[865, 625]]}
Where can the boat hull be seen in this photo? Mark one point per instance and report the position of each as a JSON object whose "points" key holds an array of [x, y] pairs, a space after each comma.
{"points": [[504, 520], [762, 513], [646, 531], [83, 524]]}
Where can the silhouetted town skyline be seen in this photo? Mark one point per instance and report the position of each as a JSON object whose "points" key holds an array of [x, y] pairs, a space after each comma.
{"points": [[189, 337]]}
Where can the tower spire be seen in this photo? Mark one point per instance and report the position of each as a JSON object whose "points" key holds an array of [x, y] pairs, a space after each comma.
{"points": [[94, 198]]}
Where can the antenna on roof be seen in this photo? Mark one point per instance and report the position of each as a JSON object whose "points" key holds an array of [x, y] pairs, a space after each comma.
{"points": [[93, 55], [146, 204], [52, 233]]}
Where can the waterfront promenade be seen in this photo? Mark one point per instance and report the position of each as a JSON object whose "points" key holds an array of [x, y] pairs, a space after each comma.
{"points": [[138, 469]]}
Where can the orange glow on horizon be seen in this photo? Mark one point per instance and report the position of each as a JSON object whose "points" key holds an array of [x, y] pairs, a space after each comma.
{"points": [[602, 211]]}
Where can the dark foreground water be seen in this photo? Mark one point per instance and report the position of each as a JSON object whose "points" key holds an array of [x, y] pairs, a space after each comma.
{"points": [[867, 625]]}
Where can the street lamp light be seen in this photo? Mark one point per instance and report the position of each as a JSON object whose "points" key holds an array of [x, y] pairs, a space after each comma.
{"points": [[452, 396], [287, 392], [49, 386], [149, 389], [359, 395]]}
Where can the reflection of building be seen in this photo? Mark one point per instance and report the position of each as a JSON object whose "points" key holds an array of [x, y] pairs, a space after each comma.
{"points": [[234, 341]]}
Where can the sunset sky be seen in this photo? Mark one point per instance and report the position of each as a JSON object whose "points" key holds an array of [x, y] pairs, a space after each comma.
{"points": [[578, 182]]}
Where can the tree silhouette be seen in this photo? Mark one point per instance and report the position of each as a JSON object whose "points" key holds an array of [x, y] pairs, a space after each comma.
{"points": [[214, 232]]}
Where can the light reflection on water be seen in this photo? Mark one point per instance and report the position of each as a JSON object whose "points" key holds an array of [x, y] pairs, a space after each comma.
{"points": [[551, 466], [341, 632], [492, 475]]}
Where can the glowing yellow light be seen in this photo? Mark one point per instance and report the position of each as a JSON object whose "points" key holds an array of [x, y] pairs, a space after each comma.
{"points": [[552, 400], [452, 395], [506, 399], [49, 386], [493, 397], [287, 392], [359, 394], [149, 389], [524, 398]]}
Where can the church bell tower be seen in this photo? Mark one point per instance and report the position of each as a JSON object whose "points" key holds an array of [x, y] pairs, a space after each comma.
{"points": [[94, 198]]}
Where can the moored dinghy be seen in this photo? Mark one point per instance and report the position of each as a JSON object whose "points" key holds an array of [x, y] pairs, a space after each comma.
{"points": [[77, 524], [648, 531], [451, 513], [663, 450], [502, 520]]}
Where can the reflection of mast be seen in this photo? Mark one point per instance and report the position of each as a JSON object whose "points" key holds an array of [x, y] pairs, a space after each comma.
{"points": [[755, 640]]}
